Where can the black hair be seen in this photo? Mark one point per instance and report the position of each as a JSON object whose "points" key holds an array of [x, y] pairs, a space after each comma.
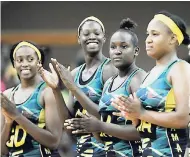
{"points": [[129, 26], [180, 23], [38, 47]]}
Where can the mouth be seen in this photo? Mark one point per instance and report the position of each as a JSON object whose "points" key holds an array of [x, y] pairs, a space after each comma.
{"points": [[149, 48], [25, 71], [117, 59], [91, 42]]}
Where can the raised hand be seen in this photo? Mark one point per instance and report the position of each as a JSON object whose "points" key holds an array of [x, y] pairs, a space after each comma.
{"points": [[51, 78], [7, 118], [130, 106], [8, 108], [64, 74], [85, 124]]}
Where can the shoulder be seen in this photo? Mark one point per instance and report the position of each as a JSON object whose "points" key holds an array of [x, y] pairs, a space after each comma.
{"points": [[7, 92], [74, 71], [137, 80], [181, 67], [140, 75], [108, 71]]}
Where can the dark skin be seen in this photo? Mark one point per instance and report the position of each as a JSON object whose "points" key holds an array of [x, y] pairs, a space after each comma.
{"points": [[26, 61], [91, 40], [122, 53], [161, 44]]}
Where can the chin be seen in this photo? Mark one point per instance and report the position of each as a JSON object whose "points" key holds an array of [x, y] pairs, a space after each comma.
{"points": [[93, 51], [151, 54]]}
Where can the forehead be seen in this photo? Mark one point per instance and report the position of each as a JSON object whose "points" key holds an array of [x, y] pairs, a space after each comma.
{"points": [[25, 51], [91, 25], [157, 26], [121, 36]]}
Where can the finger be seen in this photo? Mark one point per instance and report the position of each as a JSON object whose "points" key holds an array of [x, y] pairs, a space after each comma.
{"points": [[76, 126], [82, 115], [70, 128], [119, 102], [52, 69], [39, 66], [79, 131], [135, 96], [131, 96], [125, 101], [115, 105], [87, 115], [117, 114], [54, 61], [66, 124], [69, 68]]}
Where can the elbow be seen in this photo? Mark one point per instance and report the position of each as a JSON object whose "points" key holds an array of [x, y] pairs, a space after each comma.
{"points": [[182, 121], [54, 145]]}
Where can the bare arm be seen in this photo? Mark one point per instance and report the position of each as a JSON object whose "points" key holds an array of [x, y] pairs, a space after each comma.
{"points": [[178, 119], [84, 100], [5, 131], [92, 124], [48, 137], [5, 128], [125, 132], [52, 80]]}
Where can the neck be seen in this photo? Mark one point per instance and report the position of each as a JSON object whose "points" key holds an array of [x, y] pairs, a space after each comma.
{"points": [[93, 60], [127, 70], [164, 60], [33, 82]]}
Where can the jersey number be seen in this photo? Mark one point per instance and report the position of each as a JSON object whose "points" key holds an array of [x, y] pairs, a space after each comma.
{"points": [[17, 132]]}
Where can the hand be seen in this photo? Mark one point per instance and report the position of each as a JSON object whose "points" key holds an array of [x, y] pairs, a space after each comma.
{"points": [[8, 120], [8, 108], [64, 74], [131, 106], [51, 78], [82, 125]]}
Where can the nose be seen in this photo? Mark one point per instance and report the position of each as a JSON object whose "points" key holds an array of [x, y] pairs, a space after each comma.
{"points": [[25, 63], [117, 51], [92, 36], [148, 40]]}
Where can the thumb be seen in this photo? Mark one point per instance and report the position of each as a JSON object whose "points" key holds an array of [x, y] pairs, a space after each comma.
{"points": [[52, 69], [69, 68], [135, 96]]}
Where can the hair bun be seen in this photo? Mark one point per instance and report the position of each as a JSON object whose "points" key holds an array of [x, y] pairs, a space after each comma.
{"points": [[127, 24]]}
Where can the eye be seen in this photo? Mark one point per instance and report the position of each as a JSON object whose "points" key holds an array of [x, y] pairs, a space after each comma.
{"points": [[97, 33], [85, 33], [124, 46], [19, 60], [155, 34], [30, 59], [113, 47]]}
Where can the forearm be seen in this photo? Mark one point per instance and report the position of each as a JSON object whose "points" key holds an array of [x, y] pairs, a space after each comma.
{"points": [[165, 119], [5, 137], [86, 103], [42, 136], [64, 112], [125, 132]]}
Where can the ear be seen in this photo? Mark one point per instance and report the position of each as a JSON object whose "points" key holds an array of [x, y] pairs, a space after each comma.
{"points": [[173, 39], [79, 40], [137, 49], [104, 39], [39, 62]]}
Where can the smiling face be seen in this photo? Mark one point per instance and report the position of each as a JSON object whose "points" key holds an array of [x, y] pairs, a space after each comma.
{"points": [[25, 62], [91, 37], [122, 49], [158, 39]]}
